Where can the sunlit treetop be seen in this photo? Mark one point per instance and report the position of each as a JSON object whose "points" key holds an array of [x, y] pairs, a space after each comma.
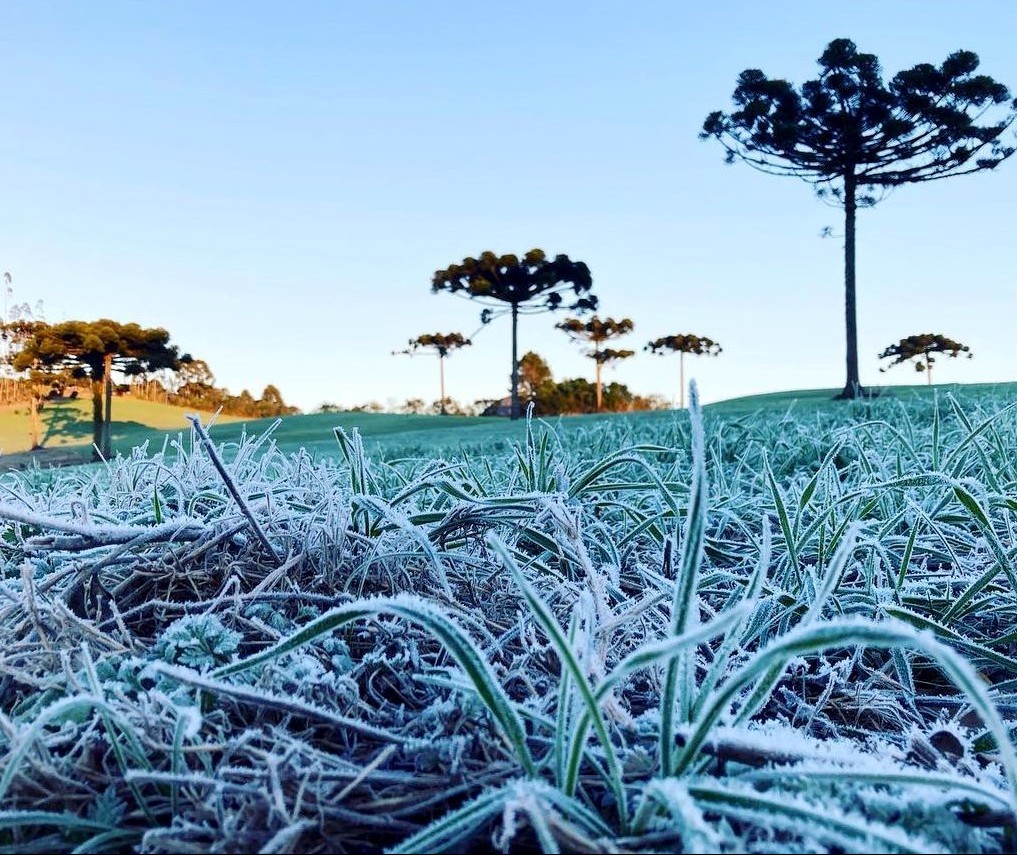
{"points": [[684, 343], [924, 124], [86, 344], [442, 343], [596, 329], [533, 283], [920, 348], [610, 354]]}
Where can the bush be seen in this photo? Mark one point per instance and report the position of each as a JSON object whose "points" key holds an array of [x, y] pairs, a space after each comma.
{"points": [[569, 397]]}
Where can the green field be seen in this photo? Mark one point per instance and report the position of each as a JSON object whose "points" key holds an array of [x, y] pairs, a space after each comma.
{"points": [[69, 424], [782, 624], [135, 422], [391, 434]]}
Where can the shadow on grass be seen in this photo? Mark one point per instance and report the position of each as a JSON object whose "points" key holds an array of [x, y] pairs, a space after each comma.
{"points": [[62, 421], [130, 434], [65, 424]]}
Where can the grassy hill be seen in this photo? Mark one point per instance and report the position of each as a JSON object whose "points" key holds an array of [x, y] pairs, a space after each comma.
{"points": [[67, 425], [803, 400]]}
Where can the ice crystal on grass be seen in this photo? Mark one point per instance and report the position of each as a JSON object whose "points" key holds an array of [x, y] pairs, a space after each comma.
{"points": [[198, 641], [108, 808]]}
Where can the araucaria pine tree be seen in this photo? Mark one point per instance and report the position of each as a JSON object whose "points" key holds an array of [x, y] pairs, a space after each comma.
{"points": [[527, 285], [854, 138], [595, 332], [93, 350], [682, 343], [920, 348], [442, 344]]}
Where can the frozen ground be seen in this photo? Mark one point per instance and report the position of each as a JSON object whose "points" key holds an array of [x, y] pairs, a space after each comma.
{"points": [[779, 633]]}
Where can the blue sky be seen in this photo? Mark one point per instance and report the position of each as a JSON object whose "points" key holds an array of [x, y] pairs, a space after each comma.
{"points": [[275, 183]]}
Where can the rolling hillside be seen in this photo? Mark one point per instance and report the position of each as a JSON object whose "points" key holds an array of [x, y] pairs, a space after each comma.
{"points": [[67, 426]]}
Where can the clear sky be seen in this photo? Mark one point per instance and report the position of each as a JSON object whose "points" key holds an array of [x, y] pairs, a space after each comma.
{"points": [[275, 183]]}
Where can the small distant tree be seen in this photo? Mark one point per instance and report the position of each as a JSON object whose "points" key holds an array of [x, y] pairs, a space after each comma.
{"points": [[572, 395], [195, 373], [93, 350], [243, 404], [854, 138], [192, 385], [20, 322], [681, 344], [19, 383], [920, 348], [442, 344], [595, 332], [534, 372], [450, 407], [527, 285], [271, 403]]}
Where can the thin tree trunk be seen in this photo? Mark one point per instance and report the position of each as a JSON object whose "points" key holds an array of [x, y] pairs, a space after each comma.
{"points": [[36, 404], [681, 379], [928, 374], [441, 373], [107, 440], [852, 385], [97, 422], [600, 387], [515, 363]]}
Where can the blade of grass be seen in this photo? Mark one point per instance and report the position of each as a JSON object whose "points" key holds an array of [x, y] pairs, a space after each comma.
{"points": [[680, 676]]}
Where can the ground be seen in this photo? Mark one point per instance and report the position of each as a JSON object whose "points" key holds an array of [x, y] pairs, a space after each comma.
{"points": [[45, 458]]}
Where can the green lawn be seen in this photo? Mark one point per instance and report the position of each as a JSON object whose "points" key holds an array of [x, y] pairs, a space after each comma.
{"points": [[808, 400], [427, 435], [68, 424]]}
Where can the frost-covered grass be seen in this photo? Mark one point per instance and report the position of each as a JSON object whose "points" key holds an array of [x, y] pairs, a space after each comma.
{"points": [[775, 632]]}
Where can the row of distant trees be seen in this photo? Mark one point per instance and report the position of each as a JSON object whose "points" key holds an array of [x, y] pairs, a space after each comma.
{"points": [[193, 385], [43, 361], [574, 395], [538, 386], [593, 335], [849, 134]]}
